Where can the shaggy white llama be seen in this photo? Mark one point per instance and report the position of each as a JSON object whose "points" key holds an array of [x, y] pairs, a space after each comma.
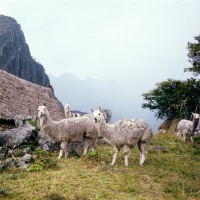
{"points": [[107, 115], [68, 113], [187, 127], [126, 133], [68, 130]]}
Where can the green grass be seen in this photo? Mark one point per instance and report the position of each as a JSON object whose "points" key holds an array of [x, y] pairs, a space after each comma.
{"points": [[170, 174]]}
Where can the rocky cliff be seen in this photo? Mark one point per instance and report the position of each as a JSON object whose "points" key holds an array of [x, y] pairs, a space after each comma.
{"points": [[19, 97], [15, 56]]}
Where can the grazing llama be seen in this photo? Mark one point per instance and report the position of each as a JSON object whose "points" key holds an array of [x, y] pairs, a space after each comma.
{"points": [[68, 113], [125, 133], [79, 129], [187, 127]]}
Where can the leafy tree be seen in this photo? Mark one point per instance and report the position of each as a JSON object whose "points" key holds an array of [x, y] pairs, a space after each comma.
{"points": [[173, 98], [194, 56]]}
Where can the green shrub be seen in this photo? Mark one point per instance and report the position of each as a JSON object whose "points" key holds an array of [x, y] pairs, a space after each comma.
{"points": [[18, 153], [44, 158], [35, 167], [33, 123], [93, 155], [40, 153]]}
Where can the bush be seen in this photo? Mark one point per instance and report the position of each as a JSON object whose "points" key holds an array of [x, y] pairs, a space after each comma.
{"points": [[35, 167], [92, 155], [44, 158]]}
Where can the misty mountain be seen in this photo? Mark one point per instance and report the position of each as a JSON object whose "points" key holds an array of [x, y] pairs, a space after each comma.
{"points": [[15, 57], [83, 95]]}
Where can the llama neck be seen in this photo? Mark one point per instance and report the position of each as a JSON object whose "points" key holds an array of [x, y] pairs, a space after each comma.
{"points": [[47, 125], [68, 113], [105, 129], [195, 124]]}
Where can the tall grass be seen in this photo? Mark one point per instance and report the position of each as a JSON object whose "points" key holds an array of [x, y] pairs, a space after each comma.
{"points": [[170, 174]]}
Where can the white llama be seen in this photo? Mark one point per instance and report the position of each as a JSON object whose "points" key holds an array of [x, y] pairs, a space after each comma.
{"points": [[79, 129], [107, 115], [125, 133], [187, 127], [68, 113]]}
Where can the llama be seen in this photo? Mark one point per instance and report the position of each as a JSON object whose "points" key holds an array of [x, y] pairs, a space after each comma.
{"points": [[90, 116], [126, 133], [79, 129], [107, 115], [68, 113], [187, 127]]}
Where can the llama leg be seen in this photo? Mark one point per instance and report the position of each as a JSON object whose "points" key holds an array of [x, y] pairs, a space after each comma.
{"points": [[144, 147], [116, 150], [191, 136], [140, 150], [63, 147], [85, 148], [66, 150], [60, 154], [179, 135], [91, 144], [126, 154], [184, 136]]}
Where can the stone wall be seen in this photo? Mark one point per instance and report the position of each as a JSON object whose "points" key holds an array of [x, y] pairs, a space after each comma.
{"points": [[19, 97]]}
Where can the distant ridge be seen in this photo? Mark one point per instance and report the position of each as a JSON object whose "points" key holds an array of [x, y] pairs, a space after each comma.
{"points": [[15, 57]]}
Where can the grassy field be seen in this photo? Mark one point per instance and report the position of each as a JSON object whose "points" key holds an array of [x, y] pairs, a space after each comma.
{"points": [[173, 173]]}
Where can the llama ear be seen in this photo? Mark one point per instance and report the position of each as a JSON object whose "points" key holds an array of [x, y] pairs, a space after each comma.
{"points": [[99, 108], [37, 105], [44, 103], [92, 110]]}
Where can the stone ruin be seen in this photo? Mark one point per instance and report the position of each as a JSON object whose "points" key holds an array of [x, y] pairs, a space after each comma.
{"points": [[18, 99], [19, 137]]}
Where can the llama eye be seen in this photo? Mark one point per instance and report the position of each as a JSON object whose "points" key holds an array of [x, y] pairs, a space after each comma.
{"points": [[99, 113]]}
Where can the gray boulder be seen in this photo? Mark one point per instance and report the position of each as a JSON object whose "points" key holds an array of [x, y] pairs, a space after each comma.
{"points": [[15, 137], [44, 142], [22, 119], [107, 115], [22, 163]]}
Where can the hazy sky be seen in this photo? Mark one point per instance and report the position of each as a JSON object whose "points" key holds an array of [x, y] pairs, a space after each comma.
{"points": [[134, 42]]}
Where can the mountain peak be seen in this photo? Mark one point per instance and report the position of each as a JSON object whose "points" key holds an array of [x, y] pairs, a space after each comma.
{"points": [[15, 57]]}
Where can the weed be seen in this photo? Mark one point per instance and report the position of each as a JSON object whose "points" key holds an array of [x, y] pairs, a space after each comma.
{"points": [[34, 123], [4, 191], [93, 155]]}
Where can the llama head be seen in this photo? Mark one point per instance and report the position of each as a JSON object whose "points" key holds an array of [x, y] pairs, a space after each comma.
{"points": [[67, 106], [195, 121], [195, 116], [42, 111], [97, 114]]}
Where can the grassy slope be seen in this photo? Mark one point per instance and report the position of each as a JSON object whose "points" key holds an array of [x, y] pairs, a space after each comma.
{"points": [[171, 174]]}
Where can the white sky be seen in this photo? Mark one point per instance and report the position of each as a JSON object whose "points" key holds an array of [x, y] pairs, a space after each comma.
{"points": [[134, 42]]}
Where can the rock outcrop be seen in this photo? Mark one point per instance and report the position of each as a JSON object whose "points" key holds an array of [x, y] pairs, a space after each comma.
{"points": [[15, 56], [15, 137]]}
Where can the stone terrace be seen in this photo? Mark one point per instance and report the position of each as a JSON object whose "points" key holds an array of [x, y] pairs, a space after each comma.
{"points": [[19, 97]]}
